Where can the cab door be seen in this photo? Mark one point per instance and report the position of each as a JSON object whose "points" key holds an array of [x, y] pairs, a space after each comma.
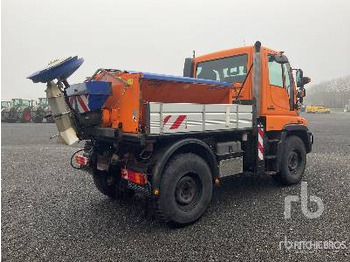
{"points": [[281, 86]]}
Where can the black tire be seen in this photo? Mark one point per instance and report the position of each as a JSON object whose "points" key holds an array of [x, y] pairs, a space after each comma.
{"points": [[37, 119], [4, 117], [105, 183], [108, 184], [50, 119], [293, 161], [186, 190]]}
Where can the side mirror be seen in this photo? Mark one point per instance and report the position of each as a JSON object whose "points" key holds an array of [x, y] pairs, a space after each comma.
{"points": [[301, 92], [301, 79], [188, 67], [306, 80]]}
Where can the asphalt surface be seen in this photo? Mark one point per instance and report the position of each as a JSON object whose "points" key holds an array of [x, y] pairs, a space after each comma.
{"points": [[51, 212]]}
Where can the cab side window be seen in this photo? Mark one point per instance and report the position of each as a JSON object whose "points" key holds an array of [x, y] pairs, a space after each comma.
{"points": [[288, 82], [286, 76], [275, 74]]}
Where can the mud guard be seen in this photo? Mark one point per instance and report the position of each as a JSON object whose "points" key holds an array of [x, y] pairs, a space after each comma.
{"points": [[186, 145]]}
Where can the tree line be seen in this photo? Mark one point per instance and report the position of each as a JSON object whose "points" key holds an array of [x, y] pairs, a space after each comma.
{"points": [[334, 93]]}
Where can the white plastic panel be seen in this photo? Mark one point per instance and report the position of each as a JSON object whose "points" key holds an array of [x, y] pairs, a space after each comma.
{"points": [[169, 118]]}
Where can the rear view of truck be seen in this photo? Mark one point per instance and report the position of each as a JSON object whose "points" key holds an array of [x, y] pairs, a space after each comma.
{"points": [[165, 136], [143, 130]]}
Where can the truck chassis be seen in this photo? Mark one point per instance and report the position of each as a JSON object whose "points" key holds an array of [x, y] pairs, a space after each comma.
{"points": [[177, 162]]}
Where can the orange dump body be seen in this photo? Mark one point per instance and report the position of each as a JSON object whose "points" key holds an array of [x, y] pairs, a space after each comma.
{"points": [[126, 107]]}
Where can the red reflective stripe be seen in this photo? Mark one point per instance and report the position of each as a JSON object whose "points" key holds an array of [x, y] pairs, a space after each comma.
{"points": [[81, 102], [71, 101], [261, 136], [178, 122], [261, 148], [166, 119]]}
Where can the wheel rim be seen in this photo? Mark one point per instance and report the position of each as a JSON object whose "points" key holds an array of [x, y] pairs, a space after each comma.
{"points": [[188, 191], [294, 160]]}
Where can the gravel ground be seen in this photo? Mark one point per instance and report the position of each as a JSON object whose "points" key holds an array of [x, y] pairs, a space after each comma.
{"points": [[51, 212]]}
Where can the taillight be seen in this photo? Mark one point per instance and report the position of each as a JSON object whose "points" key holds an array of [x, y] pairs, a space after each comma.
{"points": [[136, 177], [82, 160]]}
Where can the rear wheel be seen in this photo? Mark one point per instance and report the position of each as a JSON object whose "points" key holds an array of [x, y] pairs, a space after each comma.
{"points": [[293, 161], [37, 119], [105, 183], [50, 119], [26, 117], [4, 117], [108, 184], [186, 190]]}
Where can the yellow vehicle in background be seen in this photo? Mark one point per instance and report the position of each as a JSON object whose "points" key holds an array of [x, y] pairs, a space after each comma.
{"points": [[317, 109]]}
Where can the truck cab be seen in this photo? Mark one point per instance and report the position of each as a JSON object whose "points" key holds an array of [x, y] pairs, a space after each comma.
{"points": [[277, 92]]}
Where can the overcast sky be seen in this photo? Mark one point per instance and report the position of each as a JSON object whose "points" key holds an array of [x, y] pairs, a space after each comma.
{"points": [[156, 36]]}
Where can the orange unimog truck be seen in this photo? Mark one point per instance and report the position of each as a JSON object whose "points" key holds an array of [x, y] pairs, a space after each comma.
{"points": [[167, 136]]}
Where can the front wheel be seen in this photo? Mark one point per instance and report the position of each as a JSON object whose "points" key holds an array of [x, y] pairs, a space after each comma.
{"points": [[4, 117], [186, 190], [293, 161], [26, 117]]}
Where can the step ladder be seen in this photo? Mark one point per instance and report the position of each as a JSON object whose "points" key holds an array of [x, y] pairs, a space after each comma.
{"points": [[271, 158]]}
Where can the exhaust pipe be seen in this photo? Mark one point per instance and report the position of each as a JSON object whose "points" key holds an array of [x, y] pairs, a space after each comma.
{"points": [[61, 114]]}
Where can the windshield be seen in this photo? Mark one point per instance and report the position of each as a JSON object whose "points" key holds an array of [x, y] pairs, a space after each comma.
{"points": [[4, 104], [43, 101], [230, 69], [16, 102], [26, 102]]}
